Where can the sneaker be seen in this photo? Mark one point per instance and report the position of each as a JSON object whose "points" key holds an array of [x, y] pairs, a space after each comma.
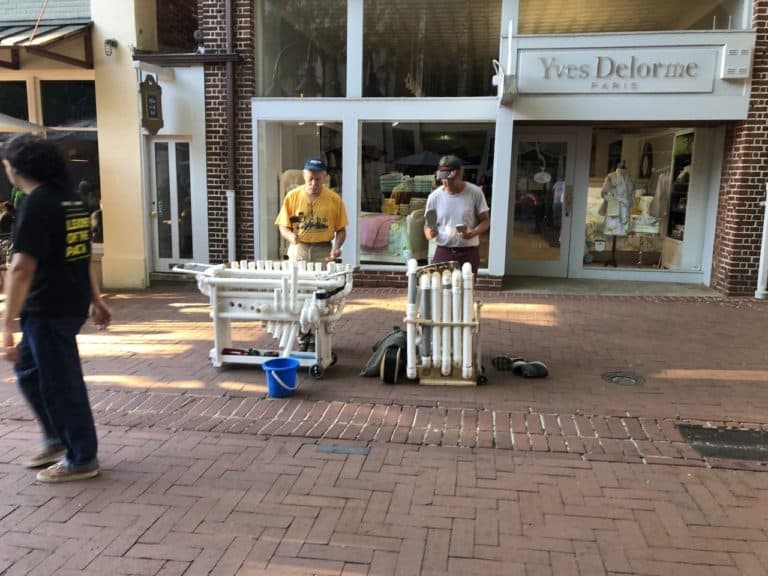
{"points": [[505, 362], [534, 369], [64, 472], [45, 456]]}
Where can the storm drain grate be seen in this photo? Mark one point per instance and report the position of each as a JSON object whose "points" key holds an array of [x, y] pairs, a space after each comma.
{"points": [[727, 442], [623, 378]]}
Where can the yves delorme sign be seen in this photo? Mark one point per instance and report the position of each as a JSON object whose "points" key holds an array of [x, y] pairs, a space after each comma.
{"points": [[612, 71]]}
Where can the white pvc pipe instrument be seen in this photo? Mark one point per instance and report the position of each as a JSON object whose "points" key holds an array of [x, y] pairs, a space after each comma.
{"points": [[437, 306], [426, 314], [466, 367], [457, 304], [410, 315], [281, 294], [445, 365]]}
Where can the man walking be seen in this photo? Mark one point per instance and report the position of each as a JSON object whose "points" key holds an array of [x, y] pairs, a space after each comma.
{"points": [[51, 284]]}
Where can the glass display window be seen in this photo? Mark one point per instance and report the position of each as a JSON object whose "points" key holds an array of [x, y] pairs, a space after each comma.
{"points": [[301, 48], [568, 17], [13, 99], [285, 146], [398, 166], [417, 48], [70, 103], [638, 198]]}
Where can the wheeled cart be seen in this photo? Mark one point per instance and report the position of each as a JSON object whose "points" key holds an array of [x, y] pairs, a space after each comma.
{"points": [[442, 328], [287, 297]]}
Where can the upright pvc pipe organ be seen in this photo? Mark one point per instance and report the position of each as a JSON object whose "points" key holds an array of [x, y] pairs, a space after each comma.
{"points": [[442, 328], [287, 297]]}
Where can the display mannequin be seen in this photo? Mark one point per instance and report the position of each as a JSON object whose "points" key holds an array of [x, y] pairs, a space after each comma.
{"points": [[618, 198], [558, 194], [644, 205]]}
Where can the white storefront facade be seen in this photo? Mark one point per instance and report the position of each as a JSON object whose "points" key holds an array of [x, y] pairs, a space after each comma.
{"points": [[540, 129]]}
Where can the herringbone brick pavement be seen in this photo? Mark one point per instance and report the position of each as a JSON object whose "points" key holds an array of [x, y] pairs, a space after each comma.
{"points": [[701, 358], [565, 475], [215, 503], [605, 438]]}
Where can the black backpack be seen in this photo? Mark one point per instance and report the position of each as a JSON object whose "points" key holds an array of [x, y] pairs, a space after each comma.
{"points": [[396, 338]]}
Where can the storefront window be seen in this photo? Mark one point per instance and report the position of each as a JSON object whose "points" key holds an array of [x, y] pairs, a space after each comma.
{"points": [[398, 173], [642, 193], [557, 17], [70, 103], [301, 48], [81, 149], [429, 48], [13, 99]]}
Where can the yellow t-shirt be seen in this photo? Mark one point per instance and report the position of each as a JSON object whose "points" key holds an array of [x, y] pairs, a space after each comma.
{"points": [[319, 219]]}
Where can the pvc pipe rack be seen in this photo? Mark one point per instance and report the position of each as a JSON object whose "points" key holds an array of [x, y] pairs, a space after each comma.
{"points": [[287, 297], [442, 325]]}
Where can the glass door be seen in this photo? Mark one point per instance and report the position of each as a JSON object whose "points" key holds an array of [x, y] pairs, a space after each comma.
{"points": [[543, 181], [171, 204]]}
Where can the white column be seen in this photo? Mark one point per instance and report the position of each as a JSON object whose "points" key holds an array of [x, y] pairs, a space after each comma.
{"points": [[354, 49], [762, 271]]}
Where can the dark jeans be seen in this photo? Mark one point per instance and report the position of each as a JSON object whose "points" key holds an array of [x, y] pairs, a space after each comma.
{"points": [[51, 379], [469, 254]]}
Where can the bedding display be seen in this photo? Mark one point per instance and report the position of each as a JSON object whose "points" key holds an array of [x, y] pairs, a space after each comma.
{"points": [[383, 237]]}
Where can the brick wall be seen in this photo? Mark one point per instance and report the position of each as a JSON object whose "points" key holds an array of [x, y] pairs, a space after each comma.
{"points": [[745, 171], [176, 22], [213, 27]]}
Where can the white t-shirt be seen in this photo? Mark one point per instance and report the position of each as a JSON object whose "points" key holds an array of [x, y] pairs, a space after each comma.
{"points": [[453, 209]]}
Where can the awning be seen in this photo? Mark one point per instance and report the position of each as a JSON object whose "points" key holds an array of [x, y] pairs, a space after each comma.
{"points": [[42, 39]]}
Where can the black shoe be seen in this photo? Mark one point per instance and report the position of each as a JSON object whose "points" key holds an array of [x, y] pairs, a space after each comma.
{"points": [[506, 363]]}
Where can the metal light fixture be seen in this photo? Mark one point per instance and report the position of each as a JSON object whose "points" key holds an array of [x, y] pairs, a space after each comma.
{"points": [[109, 45]]}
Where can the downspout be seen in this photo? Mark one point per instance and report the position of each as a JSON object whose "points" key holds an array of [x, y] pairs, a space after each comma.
{"points": [[762, 271], [230, 157]]}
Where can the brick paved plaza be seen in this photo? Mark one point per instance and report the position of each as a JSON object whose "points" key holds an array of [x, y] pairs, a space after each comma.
{"points": [[203, 474]]}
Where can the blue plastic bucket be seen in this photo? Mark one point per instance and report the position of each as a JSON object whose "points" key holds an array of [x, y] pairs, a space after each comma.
{"points": [[281, 376]]}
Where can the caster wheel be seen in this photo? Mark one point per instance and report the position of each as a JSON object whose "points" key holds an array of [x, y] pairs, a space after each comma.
{"points": [[334, 359], [317, 371], [482, 380], [389, 369]]}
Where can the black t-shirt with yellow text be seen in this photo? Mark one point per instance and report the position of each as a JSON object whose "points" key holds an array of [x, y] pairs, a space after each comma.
{"points": [[53, 226]]}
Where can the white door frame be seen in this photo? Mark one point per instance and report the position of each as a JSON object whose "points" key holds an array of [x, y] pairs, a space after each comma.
{"points": [[165, 264]]}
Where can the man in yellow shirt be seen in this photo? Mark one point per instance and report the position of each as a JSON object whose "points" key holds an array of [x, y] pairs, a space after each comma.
{"points": [[312, 218]]}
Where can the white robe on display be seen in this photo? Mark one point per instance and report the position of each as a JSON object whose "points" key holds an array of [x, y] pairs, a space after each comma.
{"points": [[619, 196]]}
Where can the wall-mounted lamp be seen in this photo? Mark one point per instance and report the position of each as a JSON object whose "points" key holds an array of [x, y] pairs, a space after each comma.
{"points": [[109, 45]]}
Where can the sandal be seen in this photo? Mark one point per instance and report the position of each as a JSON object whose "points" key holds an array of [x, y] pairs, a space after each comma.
{"points": [[506, 363]]}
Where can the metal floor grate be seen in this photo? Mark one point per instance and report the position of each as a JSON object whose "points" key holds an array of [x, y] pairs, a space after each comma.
{"points": [[727, 442], [623, 378]]}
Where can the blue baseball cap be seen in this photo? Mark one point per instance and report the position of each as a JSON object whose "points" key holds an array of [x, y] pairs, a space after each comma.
{"points": [[315, 163]]}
